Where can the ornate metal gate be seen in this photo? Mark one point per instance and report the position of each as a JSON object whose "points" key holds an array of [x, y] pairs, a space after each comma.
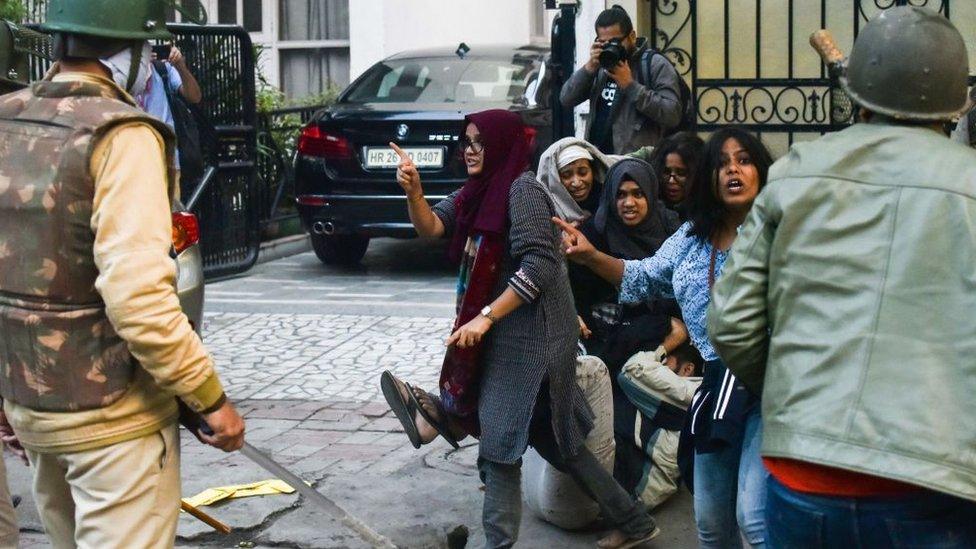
{"points": [[748, 62]]}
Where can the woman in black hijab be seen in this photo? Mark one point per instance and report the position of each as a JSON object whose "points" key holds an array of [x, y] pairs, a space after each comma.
{"points": [[631, 222]]}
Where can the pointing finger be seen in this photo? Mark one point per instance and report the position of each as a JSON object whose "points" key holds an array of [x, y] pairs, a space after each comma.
{"points": [[403, 156], [569, 229]]}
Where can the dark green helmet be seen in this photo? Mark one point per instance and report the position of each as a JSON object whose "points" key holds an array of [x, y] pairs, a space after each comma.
{"points": [[909, 63], [129, 20]]}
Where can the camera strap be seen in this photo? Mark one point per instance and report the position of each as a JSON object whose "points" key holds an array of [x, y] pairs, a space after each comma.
{"points": [[645, 65]]}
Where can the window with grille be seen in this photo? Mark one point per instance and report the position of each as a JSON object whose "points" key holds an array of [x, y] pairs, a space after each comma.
{"points": [[313, 41]]}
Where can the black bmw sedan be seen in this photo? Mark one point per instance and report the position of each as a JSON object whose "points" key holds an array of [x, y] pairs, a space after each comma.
{"points": [[345, 182]]}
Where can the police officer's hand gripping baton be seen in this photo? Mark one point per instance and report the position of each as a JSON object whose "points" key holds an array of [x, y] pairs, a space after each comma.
{"points": [[196, 424]]}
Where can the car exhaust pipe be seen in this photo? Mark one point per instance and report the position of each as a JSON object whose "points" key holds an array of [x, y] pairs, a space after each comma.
{"points": [[327, 228]]}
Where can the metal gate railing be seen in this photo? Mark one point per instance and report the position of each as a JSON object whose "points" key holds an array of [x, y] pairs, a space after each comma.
{"points": [[749, 65], [277, 138], [222, 59], [225, 198]]}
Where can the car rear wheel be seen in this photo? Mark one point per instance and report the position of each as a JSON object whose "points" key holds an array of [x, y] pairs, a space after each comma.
{"points": [[339, 249]]}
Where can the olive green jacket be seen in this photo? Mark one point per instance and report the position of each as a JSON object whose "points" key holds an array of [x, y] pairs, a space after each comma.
{"points": [[849, 300]]}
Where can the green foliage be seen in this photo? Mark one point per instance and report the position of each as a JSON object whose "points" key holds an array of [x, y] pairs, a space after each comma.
{"points": [[279, 131], [271, 98], [13, 10], [323, 98]]}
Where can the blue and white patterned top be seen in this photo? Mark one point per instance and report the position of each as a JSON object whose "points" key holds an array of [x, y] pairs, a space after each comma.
{"points": [[678, 270]]}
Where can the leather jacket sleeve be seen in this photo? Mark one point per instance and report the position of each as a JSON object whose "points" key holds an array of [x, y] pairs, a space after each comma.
{"points": [[659, 99]]}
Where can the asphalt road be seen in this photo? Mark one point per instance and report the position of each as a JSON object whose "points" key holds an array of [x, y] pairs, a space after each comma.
{"points": [[396, 278]]}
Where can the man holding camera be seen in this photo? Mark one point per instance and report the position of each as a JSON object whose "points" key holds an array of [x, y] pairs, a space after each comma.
{"points": [[178, 77], [633, 92], [170, 76]]}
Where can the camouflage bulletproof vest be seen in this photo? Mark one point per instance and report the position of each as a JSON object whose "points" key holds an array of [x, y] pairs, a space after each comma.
{"points": [[58, 350]]}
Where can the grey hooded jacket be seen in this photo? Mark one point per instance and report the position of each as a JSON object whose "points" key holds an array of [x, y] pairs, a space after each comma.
{"points": [[849, 300], [643, 112], [548, 175]]}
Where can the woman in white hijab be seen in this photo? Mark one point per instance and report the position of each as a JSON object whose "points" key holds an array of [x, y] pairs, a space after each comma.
{"points": [[573, 170]]}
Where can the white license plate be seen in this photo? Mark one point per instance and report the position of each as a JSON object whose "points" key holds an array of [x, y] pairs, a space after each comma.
{"points": [[423, 157]]}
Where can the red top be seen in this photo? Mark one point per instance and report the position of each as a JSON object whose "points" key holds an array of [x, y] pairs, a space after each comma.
{"points": [[810, 478]]}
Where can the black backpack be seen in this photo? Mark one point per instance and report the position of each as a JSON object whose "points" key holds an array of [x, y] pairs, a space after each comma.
{"points": [[187, 130], [688, 111]]}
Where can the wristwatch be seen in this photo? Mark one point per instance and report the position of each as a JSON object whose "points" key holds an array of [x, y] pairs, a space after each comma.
{"points": [[486, 312]]}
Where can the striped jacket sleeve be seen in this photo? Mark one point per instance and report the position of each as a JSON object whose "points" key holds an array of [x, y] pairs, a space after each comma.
{"points": [[532, 239], [446, 210]]}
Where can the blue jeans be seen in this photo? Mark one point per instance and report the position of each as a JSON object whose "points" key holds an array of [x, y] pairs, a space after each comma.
{"points": [[926, 520], [730, 491]]}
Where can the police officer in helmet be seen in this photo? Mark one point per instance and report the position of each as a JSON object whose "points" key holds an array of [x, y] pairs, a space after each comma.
{"points": [[848, 302], [95, 344]]}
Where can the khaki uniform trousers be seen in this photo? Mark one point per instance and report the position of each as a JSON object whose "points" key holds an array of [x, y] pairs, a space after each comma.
{"points": [[9, 532], [126, 495]]}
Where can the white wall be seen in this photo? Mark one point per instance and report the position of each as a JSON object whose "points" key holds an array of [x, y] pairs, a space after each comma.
{"points": [[380, 28]]}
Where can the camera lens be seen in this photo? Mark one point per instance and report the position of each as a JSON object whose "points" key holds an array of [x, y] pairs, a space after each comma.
{"points": [[612, 54]]}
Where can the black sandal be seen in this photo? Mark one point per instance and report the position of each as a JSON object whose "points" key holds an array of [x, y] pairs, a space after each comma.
{"points": [[404, 409], [441, 428]]}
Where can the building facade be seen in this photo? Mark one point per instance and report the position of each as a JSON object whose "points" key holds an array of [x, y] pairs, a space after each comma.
{"points": [[747, 61], [306, 45]]}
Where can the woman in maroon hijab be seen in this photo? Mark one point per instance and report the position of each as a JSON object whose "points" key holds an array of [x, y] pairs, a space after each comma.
{"points": [[508, 377]]}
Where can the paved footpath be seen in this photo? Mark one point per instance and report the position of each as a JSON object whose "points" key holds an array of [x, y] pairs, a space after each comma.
{"points": [[300, 348]]}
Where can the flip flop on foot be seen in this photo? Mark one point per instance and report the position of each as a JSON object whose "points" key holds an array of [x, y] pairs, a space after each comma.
{"points": [[618, 540], [398, 396], [424, 402]]}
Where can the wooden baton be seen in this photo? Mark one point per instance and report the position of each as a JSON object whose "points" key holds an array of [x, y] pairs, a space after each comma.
{"points": [[205, 518], [823, 41]]}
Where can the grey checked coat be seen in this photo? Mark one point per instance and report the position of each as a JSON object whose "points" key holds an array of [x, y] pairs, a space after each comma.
{"points": [[535, 342]]}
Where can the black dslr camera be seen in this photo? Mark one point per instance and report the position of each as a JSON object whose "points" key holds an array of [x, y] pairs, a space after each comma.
{"points": [[613, 53]]}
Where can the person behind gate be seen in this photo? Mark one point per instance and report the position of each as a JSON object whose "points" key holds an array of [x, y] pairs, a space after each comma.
{"points": [[635, 98]]}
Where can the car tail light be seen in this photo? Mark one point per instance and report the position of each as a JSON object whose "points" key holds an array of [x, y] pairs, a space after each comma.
{"points": [[316, 142], [311, 200], [530, 134], [186, 231]]}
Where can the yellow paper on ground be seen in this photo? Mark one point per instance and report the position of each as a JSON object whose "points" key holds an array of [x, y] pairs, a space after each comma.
{"points": [[263, 488]]}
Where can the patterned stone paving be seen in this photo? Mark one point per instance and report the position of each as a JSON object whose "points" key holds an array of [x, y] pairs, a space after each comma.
{"points": [[322, 357]]}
